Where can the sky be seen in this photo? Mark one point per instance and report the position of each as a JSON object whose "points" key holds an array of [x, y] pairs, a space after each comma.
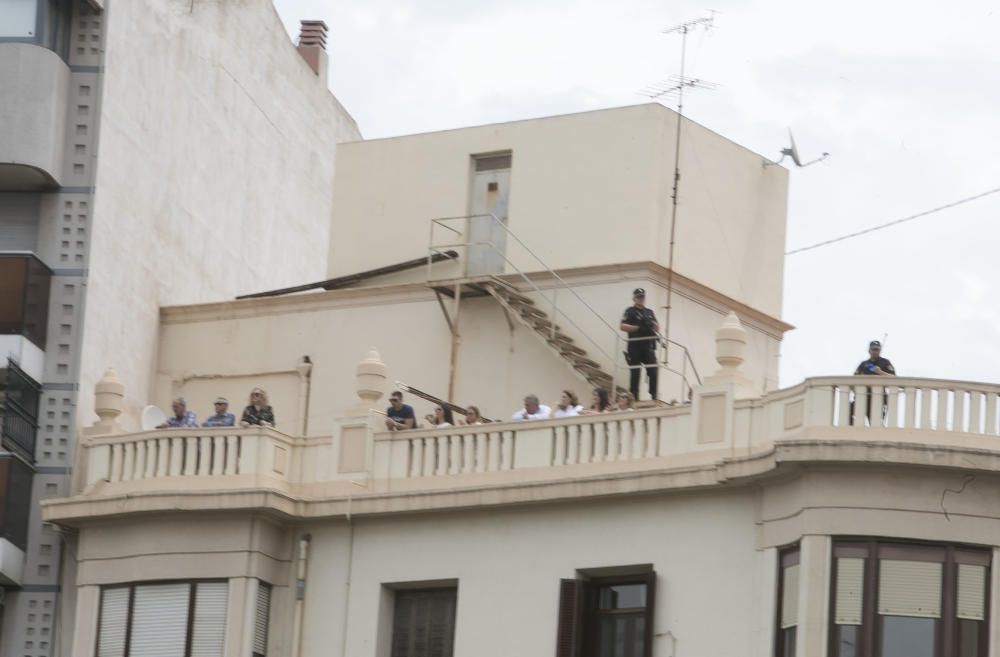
{"points": [[903, 95]]}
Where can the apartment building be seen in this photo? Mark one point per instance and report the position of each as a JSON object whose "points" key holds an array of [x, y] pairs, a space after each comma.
{"points": [[152, 152]]}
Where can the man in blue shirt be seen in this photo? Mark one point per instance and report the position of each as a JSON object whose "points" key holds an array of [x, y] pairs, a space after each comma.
{"points": [[182, 417], [400, 416], [222, 417]]}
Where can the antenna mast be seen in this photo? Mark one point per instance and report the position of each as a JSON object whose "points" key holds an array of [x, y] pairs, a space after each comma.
{"points": [[680, 83]]}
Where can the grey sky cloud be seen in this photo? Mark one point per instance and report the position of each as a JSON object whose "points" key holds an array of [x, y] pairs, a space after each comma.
{"points": [[901, 93]]}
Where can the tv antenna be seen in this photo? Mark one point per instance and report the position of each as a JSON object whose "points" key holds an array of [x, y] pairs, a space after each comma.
{"points": [[793, 152], [675, 86]]}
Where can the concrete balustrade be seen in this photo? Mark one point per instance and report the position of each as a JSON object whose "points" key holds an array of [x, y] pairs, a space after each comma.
{"points": [[201, 453]]}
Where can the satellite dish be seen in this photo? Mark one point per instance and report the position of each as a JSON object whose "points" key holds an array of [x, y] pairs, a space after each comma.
{"points": [[152, 417], [793, 152]]}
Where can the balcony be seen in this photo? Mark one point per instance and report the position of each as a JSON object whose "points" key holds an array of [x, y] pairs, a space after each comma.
{"points": [[24, 305], [15, 508], [720, 437], [34, 88], [20, 397]]}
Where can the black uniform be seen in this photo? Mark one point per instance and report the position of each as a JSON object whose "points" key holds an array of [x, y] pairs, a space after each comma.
{"points": [[641, 348], [868, 366]]}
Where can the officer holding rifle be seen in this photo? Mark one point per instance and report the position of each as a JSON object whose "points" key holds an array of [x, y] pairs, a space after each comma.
{"points": [[641, 328]]}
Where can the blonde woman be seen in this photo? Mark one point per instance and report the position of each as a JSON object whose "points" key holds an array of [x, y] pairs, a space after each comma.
{"points": [[258, 412], [624, 401]]}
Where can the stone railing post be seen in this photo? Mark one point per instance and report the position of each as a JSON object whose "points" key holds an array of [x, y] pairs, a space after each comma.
{"points": [[94, 462], [353, 433]]}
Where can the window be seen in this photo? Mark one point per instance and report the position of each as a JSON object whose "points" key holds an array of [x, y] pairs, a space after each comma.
{"points": [[607, 615], [42, 22], [788, 605], [178, 619], [423, 622], [908, 600], [262, 615]]}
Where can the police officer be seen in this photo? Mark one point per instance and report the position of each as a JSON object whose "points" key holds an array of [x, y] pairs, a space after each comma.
{"points": [[641, 327]]}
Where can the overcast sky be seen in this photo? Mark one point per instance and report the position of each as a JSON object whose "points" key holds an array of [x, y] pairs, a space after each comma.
{"points": [[904, 95]]}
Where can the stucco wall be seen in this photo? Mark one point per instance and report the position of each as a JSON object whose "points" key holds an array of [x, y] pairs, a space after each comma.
{"points": [[215, 166], [586, 189]]}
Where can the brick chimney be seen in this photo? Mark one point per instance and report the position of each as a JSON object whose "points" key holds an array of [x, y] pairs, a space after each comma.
{"points": [[312, 47]]}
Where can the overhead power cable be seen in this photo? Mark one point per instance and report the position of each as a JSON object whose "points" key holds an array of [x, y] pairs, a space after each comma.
{"points": [[953, 204]]}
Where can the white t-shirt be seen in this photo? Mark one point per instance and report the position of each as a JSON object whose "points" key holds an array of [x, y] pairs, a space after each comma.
{"points": [[569, 411], [543, 413]]}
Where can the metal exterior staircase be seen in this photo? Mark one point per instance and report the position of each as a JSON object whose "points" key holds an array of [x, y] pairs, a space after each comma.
{"points": [[523, 310]]}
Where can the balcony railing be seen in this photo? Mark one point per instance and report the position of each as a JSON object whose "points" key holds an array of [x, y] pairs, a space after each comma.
{"points": [[933, 412]]}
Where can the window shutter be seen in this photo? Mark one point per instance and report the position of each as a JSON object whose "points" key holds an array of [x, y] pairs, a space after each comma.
{"points": [[114, 622], [423, 624], [909, 588], [160, 620], [790, 597], [570, 611], [208, 630], [971, 592], [850, 590], [262, 615]]}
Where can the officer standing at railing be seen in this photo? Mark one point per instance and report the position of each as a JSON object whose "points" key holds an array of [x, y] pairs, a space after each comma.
{"points": [[641, 327]]}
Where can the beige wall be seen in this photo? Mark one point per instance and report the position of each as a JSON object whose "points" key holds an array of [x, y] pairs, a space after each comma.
{"points": [[586, 189], [227, 348], [216, 160]]}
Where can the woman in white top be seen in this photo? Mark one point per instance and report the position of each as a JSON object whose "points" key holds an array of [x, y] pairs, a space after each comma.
{"points": [[568, 406], [473, 416], [441, 418]]}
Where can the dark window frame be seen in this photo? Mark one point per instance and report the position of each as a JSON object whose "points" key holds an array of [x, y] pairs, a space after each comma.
{"points": [[789, 555], [592, 613], [36, 293], [131, 586], [400, 591], [950, 555]]}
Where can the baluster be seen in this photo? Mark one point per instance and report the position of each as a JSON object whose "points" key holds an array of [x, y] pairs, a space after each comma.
{"points": [[455, 457], [191, 456], [507, 451], [493, 463], [959, 411], [218, 455], [844, 410], [926, 399], [600, 432], [639, 440], [586, 432], [482, 442], [163, 457], [614, 439], [626, 439], [443, 446], [942, 410], [468, 453], [652, 437], [416, 457], [430, 456], [560, 450], [892, 408], [204, 455], [861, 400], [991, 414], [573, 444], [140, 459], [176, 465], [152, 458], [877, 403], [975, 411], [232, 454], [910, 420], [128, 462], [116, 462]]}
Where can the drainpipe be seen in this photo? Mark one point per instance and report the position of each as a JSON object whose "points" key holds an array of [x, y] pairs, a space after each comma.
{"points": [[300, 594]]}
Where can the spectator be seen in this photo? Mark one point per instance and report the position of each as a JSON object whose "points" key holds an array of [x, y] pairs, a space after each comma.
{"points": [[399, 416], [568, 406], [182, 417], [640, 325], [599, 402], [532, 410], [441, 417], [257, 412], [222, 417], [875, 365], [624, 401], [473, 416]]}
